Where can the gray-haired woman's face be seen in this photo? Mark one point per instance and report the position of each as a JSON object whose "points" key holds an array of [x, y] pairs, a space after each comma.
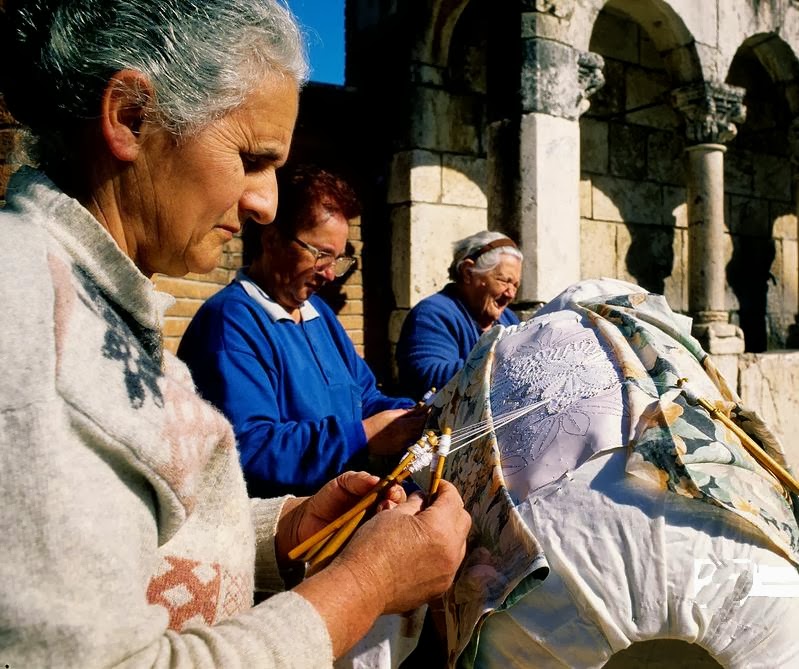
{"points": [[488, 294], [195, 195]]}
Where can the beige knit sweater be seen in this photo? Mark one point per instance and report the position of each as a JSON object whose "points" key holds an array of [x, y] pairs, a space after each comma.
{"points": [[126, 534]]}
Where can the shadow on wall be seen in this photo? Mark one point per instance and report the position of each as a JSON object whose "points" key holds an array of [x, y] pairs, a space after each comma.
{"points": [[759, 191]]}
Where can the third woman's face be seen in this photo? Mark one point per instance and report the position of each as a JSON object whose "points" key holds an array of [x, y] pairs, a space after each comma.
{"points": [[489, 294], [199, 192]]}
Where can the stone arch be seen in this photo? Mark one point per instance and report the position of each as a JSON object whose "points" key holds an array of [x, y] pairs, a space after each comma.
{"points": [[761, 272], [632, 149], [434, 44]]}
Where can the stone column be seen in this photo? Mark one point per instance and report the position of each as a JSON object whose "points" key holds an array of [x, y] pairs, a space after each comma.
{"points": [[710, 111], [533, 167], [793, 142]]}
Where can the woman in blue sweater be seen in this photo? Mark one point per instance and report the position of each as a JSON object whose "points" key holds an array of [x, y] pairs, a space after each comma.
{"points": [[440, 331], [274, 359]]}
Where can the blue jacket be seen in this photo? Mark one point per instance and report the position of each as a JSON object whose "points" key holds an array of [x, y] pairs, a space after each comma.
{"points": [[436, 337], [296, 393]]}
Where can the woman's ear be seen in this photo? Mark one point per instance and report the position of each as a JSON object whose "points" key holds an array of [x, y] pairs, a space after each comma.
{"points": [[122, 113], [465, 271]]}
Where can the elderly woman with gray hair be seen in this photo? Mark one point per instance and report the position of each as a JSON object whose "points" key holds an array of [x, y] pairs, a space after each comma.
{"points": [[128, 537], [440, 331]]}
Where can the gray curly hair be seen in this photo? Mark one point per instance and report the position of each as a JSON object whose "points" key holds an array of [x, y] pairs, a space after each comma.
{"points": [[202, 58], [469, 248]]}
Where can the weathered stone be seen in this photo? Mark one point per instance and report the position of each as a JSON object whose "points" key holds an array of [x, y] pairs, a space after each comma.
{"points": [[627, 150], [556, 79], [647, 101], [665, 154], [586, 211], [615, 37], [772, 177], [785, 221], [768, 383], [427, 231], [676, 284], [415, 176], [749, 216], [675, 209], [443, 121], [711, 111], [628, 201], [593, 145], [739, 172], [719, 338], [463, 180], [598, 249]]}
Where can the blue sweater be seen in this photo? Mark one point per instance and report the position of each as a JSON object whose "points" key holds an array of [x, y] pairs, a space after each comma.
{"points": [[435, 340], [296, 393]]}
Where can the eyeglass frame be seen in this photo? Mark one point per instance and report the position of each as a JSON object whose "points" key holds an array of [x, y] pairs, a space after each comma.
{"points": [[335, 261]]}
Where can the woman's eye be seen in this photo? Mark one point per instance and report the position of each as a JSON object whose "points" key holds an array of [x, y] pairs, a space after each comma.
{"points": [[253, 163]]}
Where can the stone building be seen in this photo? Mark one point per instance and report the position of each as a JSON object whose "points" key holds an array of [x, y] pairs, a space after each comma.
{"points": [[649, 140]]}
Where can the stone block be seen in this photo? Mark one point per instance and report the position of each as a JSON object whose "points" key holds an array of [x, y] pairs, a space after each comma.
{"points": [[784, 220], [615, 37], [648, 55], [463, 181], [415, 176], [400, 218], [749, 216], [585, 198], [179, 287], [184, 307], [675, 286], [700, 19], [739, 172], [447, 122], [627, 148], [540, 24], [665, 158], [768, 383], [649, 258], [597, 249], [649, 90], [175, 327], [675, 208], [609, 100], [772, 177], [593, 145], [719, 338], [624, 200], [422, 242], [790, 276]]}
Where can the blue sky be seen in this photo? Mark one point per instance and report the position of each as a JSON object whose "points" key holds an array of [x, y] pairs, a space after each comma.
{"points": [[323, 21]]}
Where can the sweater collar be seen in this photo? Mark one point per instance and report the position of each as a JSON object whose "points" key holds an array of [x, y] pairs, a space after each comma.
{"points": [[89, 245], [269, 305]]}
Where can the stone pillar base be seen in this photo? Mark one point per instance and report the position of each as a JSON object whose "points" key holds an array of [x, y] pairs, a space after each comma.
{"points": [[719, 338]]}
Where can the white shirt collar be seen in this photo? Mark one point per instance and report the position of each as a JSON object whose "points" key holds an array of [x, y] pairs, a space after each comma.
{"points": [[272, 308]]}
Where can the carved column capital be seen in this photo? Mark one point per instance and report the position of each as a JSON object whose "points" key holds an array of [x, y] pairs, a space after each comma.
{"points": [[557, 79], [711, 111]]}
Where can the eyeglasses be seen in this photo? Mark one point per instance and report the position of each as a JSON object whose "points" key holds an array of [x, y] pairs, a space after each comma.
{"points": [[324, 260]]}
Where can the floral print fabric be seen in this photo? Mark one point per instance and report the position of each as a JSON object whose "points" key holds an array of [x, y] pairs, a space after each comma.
{"points": [[594, 374]]}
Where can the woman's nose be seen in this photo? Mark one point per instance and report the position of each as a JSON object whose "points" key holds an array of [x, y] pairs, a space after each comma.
{"points": [[259, 199], [329, 273]]}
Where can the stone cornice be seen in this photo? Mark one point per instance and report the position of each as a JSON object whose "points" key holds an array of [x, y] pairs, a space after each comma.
{"points": [[558, 79], [711, 111]]}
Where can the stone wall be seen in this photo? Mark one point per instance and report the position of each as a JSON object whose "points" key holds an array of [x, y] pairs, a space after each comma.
{"points": [[633, 211]]}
